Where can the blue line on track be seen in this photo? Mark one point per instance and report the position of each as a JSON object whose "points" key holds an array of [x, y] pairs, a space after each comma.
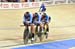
{"points": [[65, 44]]}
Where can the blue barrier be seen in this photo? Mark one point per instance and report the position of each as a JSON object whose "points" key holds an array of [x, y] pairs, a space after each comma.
{"points": [[66, 44]]}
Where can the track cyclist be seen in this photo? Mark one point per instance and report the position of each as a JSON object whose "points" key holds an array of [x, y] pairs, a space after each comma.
{"points": [[27, 21], [45, 19]]}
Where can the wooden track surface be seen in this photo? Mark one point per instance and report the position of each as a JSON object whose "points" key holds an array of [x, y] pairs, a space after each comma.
{"points": [[62, 24]]}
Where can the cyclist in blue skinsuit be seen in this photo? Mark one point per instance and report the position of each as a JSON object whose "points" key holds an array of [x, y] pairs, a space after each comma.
{"points": [[27, 21], [42, 8], [36, 18], [36, 21], [45, 19]]}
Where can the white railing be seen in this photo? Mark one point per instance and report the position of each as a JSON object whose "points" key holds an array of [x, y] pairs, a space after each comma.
{"points": [[8, 5]]}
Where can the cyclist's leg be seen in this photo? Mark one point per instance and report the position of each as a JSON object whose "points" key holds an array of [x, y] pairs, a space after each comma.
{"points": [[47, 29], [41, 32], [38, 27], [42, 27], [29, 27], [33, 31]]}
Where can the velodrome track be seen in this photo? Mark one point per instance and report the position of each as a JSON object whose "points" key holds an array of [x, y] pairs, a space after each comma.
{"points": [[62, 24]]}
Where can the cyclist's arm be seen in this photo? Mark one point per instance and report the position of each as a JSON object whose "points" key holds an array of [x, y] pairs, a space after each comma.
{"points": [[47, 19], [31, 16]]}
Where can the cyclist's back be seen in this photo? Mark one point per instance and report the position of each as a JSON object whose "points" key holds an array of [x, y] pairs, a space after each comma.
{"points": [[36, 18], [45, 18], [27, 18], [42, 7]]}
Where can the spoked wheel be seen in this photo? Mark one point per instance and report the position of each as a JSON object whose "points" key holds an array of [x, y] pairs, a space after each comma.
{"points": [[31, 38], [41, 34], [41, 37], [26, 36], [35, 37], [46, 35]]}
